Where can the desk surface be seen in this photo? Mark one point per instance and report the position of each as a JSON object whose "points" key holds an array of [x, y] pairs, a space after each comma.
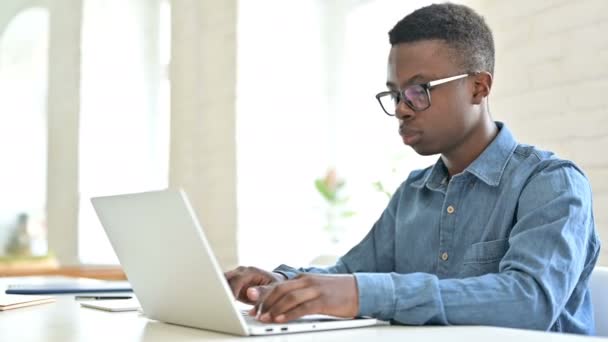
{"points": [[65, 320]]}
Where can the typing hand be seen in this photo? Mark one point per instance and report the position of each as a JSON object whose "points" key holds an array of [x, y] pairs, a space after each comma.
{"points": [[247, 283], [335, 295]]}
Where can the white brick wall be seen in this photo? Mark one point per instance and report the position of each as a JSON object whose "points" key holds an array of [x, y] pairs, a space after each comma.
{"points": [[551, 82]]}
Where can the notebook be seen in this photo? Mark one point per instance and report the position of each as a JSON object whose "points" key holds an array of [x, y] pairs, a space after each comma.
{"points": [[10, 301], [59, 285], [174, 273]]}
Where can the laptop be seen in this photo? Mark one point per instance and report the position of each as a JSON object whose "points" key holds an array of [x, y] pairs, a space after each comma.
{"points": [[175, 275]]}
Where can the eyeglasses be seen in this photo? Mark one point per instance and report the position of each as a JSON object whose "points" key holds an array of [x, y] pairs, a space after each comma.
{"points": [[417, 96]]}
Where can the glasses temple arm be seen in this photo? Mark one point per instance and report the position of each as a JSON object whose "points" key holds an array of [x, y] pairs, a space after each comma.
{"points": [[446, 80]]}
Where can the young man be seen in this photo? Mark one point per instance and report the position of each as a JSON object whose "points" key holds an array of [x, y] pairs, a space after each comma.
{"points": [[495, 233]]}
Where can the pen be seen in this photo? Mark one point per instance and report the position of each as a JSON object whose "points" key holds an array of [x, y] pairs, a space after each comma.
{"points": [[102, 297]]}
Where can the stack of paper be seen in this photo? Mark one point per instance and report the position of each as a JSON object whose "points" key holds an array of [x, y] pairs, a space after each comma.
{"points": [[9, 301]]}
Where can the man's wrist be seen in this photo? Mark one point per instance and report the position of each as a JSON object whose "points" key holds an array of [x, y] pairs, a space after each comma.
{"points": [[287, 272]]}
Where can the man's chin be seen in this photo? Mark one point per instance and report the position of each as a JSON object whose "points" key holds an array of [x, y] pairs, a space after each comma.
{"points": [[424, 150]]}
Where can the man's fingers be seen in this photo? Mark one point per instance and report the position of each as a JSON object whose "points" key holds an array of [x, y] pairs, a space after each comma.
{"points": [[235, 281], [234, 272], [253, 294], [259, 293], [306, 308], [280, 290], [242, 278], [229, 274], [238, 284], [291, 300]]}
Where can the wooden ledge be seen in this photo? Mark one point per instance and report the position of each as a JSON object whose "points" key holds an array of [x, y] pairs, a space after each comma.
{"points": [[96, 272]]}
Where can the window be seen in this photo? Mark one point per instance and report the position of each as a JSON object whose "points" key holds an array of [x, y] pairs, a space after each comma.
{"points": [[308, 73], [368, 148], [282, 128], [124, 133], [23, 81]]}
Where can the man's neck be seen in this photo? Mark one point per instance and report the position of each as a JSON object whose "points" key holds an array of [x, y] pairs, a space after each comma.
{"points": [[465, 153]]}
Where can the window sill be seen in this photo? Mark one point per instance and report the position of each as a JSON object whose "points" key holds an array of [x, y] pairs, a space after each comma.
{"points": [[52, 268]]}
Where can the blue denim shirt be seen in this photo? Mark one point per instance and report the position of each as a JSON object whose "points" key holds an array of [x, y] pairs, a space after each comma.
{"points": [[510, 242]]}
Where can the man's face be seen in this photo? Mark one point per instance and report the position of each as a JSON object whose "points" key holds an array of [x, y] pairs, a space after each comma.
{"points": [[449, 120]]}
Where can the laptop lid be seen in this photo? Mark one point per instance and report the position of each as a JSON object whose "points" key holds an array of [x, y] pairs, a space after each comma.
{"points": [[168, 260]]}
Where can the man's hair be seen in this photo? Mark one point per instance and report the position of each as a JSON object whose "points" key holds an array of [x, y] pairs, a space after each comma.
{"points": [[463, 30]]}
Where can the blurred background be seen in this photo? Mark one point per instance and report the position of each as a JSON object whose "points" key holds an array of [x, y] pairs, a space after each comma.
{"points": [[263, 111]]}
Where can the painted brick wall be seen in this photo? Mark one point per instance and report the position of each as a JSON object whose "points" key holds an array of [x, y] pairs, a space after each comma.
{"points": [[551, 82]]}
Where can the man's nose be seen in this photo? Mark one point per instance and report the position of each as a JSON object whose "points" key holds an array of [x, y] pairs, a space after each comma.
{"points": [[403, 112]]}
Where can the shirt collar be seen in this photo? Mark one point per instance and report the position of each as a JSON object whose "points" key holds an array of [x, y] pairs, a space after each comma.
{"points": [[433, 176], [488, 167]]}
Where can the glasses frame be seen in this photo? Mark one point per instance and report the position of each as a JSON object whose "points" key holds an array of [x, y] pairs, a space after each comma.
{"points": [[427, 88]]}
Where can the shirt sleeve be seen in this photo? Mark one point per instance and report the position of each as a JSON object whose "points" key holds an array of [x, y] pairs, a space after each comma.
{"points": [[365, 256], [551, 245]]}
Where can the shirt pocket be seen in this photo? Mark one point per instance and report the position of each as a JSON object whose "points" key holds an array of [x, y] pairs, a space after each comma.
{"points": [[483, 257]]}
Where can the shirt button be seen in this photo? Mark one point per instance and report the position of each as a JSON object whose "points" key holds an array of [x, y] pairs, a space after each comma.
{"points": [[450, 210], [444, 256]]}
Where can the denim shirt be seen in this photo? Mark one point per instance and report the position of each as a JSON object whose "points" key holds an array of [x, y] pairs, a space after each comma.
{"points": [[510, 242]]}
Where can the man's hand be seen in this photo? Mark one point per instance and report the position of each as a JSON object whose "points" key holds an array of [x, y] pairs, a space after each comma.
{"points": [[335, 295], [247, 283]]}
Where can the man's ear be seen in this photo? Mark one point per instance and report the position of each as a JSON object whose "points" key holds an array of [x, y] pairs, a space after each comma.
{"points": [[482, 84]]}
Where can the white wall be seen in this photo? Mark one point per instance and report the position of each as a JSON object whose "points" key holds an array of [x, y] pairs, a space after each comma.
{"points": [[551, 81]]}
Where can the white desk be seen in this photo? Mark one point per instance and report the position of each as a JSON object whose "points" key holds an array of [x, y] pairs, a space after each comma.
{"points": [[65, 320]]}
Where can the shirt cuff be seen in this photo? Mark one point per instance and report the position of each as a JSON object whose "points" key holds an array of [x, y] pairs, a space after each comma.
{"points": [[376, 295], [288, 271]]}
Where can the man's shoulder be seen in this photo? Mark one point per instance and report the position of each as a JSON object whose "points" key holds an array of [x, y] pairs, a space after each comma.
{"points": [[530, 151], [538, 161], [539, 158]]}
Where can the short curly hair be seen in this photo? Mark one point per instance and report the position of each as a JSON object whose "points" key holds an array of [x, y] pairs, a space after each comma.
{"points": [[463, 30]]}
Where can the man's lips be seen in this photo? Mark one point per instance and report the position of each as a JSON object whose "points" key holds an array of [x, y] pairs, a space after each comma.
{"points": [[410, 136], [406, 131]]}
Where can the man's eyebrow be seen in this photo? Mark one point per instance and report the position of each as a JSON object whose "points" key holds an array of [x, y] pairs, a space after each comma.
{"points": [[414, 79]]}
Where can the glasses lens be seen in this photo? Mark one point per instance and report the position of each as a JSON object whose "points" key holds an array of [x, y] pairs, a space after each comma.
{"points": [[416, 97], [389, 102]]}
